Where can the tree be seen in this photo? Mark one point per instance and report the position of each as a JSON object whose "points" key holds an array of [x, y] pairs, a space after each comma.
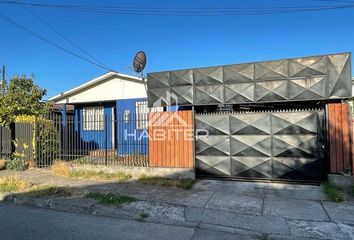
{"points": [[23, 97]]}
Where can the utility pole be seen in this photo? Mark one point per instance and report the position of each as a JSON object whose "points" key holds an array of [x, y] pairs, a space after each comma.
{"points": [[3, 81]]}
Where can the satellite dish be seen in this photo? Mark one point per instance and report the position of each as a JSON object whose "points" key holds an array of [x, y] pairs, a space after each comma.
{"points": [[139, 62]]}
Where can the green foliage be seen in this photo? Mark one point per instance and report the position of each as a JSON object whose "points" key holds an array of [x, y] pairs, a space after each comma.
{"points": [[22, 96], [186, 183], [45, 130], [41, 191], [18, 161], [99, 175], [143, 216], [334, 192], [167, 182], [110, 198], [48, 140], [18, 164], [81, 160], [13, 184]]}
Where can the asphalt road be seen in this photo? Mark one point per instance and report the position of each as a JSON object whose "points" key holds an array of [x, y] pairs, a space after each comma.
{"points": [[19, 222]]}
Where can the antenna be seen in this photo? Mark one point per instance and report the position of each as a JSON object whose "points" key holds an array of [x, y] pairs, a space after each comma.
{"points": [[139, 64]]}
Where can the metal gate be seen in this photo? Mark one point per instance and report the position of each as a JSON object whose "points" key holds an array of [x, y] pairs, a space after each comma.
{"points": [[284, 145]]}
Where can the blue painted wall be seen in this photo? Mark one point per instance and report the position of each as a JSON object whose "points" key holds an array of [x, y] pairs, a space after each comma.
{"points": [[95, 139], [130, 139]]}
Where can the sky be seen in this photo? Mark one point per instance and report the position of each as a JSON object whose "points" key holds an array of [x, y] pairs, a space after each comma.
{"points": [[171, 42]]}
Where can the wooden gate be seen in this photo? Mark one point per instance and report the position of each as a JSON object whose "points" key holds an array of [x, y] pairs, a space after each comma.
{"points": [[339, 137], [171, 139]]}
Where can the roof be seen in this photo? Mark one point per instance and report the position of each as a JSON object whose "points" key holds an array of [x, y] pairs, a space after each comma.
{"points": [[96, 81]]}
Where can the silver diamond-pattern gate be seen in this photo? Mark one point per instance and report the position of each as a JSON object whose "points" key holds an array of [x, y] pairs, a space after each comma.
{"points": [[279, 145]]}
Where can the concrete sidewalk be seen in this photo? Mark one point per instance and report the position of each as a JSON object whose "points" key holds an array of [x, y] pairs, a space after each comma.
{"points": [[256, 210]]}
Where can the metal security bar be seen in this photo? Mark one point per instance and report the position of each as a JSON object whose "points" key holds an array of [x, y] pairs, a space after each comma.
{"points": [[117, 142], [119, 139]]}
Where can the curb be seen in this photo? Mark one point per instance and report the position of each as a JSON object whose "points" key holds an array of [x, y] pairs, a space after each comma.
{"points": [[71, 205], [88, 206]]}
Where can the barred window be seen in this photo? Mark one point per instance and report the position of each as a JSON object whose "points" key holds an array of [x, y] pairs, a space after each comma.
{"points": [[142, 110], [93, 118]]}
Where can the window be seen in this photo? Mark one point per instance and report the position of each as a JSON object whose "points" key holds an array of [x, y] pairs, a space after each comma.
{"points": [[141, 108], [93, 118]]}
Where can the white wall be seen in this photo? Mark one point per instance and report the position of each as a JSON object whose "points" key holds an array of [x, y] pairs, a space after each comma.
{"points": [[113, 89]]}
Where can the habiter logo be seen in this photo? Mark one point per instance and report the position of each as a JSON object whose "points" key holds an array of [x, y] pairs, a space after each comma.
{"points": [[170, 125]]}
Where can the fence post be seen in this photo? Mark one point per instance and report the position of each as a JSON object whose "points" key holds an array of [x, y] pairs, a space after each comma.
{"points": [[1, 141], [58, 126], [35, 142], [105, 140], [13, 138]]}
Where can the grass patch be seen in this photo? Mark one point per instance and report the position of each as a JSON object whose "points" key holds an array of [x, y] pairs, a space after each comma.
{"points": [[334, 192], [143, 216], [41, 191], [186, 183], [81, 160], [167, 182], [60, 168], [84, 160], [110, 198], [63, 168], [87, 174], [13, 184]]}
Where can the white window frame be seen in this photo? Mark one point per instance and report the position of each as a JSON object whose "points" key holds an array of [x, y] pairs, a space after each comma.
{"points": [[141, 114], [93, 118]]}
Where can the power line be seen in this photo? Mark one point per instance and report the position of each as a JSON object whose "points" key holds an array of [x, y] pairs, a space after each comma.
{"points": [[334, 1], [18, 25], [60, 34], [190, 11], [171, 8]]}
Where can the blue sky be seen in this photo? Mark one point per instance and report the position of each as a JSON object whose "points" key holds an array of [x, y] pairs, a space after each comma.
{"points": [[171, 42]]}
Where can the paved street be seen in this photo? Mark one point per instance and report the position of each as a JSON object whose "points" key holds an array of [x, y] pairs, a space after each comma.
{"points": [[210, 210], [19, 222]]}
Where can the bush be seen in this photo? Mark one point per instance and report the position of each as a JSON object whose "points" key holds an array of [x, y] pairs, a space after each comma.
{"points": [[2, 164], [48, 144], [18, 161], [45, 141], [18, 164]]}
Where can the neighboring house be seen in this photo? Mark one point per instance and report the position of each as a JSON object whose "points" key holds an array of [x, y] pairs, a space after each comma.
{"points": [[102, 109]]}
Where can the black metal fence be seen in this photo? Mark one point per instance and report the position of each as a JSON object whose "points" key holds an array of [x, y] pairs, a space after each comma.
{"points": [[5, 142], [104, 140]]}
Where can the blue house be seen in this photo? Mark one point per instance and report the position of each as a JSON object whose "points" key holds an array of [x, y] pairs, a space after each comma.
{"points": [[108, 113]]}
